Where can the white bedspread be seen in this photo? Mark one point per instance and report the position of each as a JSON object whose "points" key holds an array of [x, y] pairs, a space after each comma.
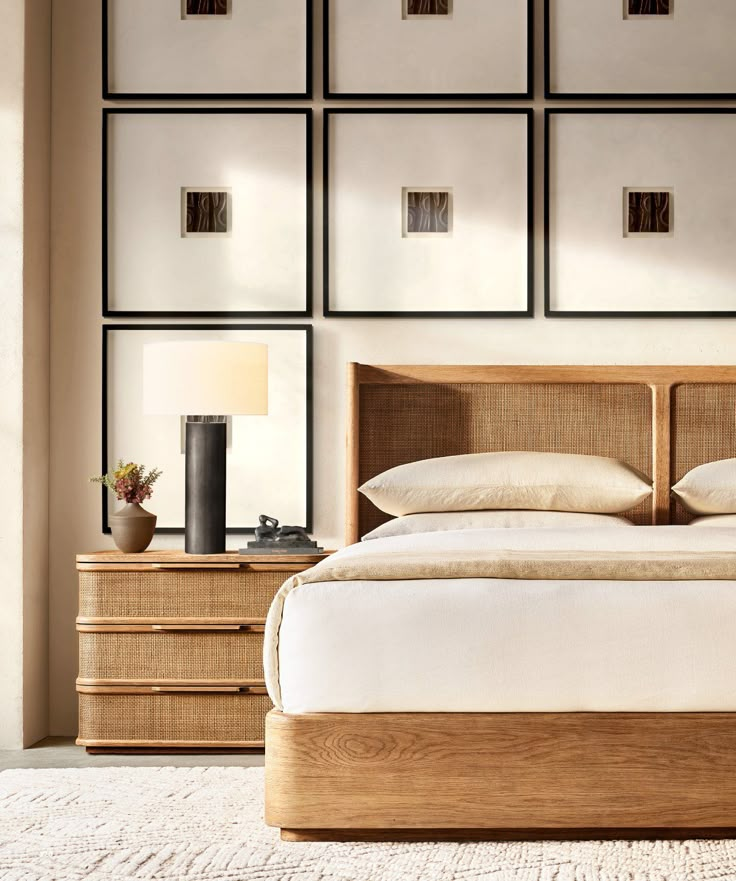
{"points": [[508, 645]]}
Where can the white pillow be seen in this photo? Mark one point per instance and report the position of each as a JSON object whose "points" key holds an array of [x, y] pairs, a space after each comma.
{"points": [[412, 524], [717, 520], [709, 488], [502, 481]]}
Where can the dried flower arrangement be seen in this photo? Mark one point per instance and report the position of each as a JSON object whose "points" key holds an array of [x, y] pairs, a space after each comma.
{"points": [[129, 482]]}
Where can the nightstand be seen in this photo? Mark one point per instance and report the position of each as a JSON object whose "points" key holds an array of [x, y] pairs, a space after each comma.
{"points": [[170, 648]]}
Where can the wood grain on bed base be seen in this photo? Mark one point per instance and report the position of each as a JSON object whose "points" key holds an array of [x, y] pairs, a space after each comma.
{"points": [[420, 835], [501, 775]]}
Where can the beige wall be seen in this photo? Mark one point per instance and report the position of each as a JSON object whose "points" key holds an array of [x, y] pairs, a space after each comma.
{"points": [[24, 421], [11, 375], [36, 419], [76, 321]]}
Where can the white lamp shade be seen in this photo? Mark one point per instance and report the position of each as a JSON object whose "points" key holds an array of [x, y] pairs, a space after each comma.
{"points": [[205, 379]]}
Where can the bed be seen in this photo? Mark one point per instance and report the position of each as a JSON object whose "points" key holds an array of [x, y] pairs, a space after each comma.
{"points": [[601, 706]]}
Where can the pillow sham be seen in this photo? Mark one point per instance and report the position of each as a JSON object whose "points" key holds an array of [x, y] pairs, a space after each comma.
{"points": [[709, 488], [715, 520], [411, 524], [510, 480]]}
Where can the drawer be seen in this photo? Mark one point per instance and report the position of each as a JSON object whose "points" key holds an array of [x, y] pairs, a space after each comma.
{"points": [[129, 717], [154, 653], [165, 594]]}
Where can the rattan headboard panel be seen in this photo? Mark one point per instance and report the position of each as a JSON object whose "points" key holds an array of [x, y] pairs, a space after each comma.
{"points": [[703, 429], [402, 423]]}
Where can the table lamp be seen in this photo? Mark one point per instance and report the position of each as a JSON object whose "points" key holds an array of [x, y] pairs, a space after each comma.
{"points": [[214, 380]]}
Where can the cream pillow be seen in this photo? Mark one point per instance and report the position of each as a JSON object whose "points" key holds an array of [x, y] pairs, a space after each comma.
{"points": [[717, 520], [501, 481], [412, 524], [709, 488]]}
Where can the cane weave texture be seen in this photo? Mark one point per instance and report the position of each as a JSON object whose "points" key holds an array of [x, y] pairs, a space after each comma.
{"points": [[206, 593], [703, 430], [195, 718], [413, 421], [202, 656]]}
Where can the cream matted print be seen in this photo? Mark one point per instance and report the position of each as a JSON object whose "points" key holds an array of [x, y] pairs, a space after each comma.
{"points": [[207, 48], [428, 48], [207, 212], [644, 48], [428, 213], [640, 217]]}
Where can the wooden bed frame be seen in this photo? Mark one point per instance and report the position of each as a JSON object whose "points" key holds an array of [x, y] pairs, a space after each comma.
{"points": [[397, 776]]}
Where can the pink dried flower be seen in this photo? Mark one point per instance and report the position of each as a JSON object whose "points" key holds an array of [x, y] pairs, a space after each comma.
{"points": [[129, 482]]}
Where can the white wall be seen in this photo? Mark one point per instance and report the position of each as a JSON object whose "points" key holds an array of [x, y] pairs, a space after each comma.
{"points": [[76, 321], [24, 219]]}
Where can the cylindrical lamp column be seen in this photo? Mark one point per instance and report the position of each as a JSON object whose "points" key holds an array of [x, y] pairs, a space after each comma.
{"points": [[206, 481]]}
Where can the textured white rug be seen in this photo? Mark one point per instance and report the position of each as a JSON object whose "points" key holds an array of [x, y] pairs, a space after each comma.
{"points": [[202, 824]]}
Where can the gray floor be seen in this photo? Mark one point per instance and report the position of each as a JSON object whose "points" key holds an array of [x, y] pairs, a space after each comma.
{"points": [[62, 752]]}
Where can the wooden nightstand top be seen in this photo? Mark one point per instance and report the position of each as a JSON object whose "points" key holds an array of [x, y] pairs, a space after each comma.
{"points": [[180, 560]]}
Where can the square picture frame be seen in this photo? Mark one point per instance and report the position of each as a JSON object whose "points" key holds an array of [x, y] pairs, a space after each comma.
{"points": [[486, 51], [592, 268], [600, 51], [259, 447], [262, 266], [365, 207], [265, 57]]}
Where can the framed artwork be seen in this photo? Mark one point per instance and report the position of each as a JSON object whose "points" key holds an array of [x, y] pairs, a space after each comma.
{"points": [[269, 458], [639, 218], [652, 49], [194, 49], [207, 212], [428, 213], [440, 49]]}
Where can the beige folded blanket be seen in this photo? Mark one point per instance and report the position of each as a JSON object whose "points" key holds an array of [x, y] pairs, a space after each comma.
{"points": [[546, 565]]}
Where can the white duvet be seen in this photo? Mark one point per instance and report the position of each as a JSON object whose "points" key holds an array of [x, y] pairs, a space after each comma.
{"points": [[497, 645]]}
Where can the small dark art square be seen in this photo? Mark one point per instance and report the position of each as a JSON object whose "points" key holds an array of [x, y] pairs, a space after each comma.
{"points": [[207, 212], [649, 7], [427, 212], [207, 7], [427, 7], [649, 212]]}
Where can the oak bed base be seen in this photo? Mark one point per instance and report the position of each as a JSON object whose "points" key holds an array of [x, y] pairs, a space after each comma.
{"points": [[462, 776]]}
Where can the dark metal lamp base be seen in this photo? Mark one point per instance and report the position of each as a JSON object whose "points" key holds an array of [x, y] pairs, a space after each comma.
{"points": [[206, 482]]}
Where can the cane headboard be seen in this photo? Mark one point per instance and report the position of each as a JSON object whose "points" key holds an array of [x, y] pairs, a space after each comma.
{"points": [[662, 420]]}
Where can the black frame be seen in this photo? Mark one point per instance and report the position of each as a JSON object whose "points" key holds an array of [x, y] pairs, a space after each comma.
{"points": [[107, 312], [615, 96], [107, 95], [445, 111], [609, 111], [232, 530], [421, 96]]}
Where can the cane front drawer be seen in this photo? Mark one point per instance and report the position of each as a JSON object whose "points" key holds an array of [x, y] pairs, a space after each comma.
{"points": [[171, 648], [148, 717], [152, 654], [160, 595]]}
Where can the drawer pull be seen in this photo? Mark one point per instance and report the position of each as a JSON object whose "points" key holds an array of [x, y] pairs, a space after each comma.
{"points": [[206, 689], [193, 567], [212, 628]]}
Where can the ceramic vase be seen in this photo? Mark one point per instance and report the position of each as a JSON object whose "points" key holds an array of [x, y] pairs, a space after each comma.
{"points": [[132, 528]]}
